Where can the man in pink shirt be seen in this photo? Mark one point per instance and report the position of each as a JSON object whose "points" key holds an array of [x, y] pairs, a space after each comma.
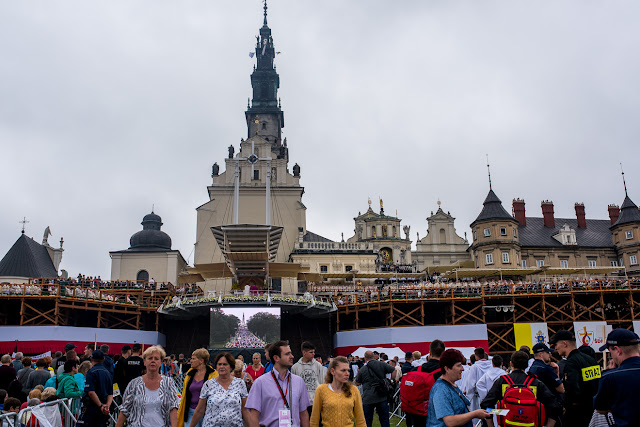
{"points": [[278, 394]]}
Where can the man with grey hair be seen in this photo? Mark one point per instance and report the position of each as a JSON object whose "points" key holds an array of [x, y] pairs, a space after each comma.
{"points": [[7, 372], [17, 362]]}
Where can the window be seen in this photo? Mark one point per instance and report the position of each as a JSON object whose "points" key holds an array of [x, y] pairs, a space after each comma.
{"points": [[489, 258], [622, 262], [505, 257], [348, 268], [514, 233], [614, 263], [564, 263], [475, 235], [539, 263], [628, 234], [324, 269], [487, 232], [633, 260], [256, 174], [142, 276], [503, 231], [592, 263], [524, 263]]}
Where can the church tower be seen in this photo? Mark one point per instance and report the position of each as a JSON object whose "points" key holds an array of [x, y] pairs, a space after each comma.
{"points": [[264, 115], [268, 193]]}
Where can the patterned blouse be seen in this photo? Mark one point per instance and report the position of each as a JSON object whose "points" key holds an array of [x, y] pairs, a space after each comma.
{"points": [[224, 407], [133, 406]]}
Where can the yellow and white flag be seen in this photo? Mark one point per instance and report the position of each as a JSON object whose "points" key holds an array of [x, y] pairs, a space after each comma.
{"points": [[530, 334]]}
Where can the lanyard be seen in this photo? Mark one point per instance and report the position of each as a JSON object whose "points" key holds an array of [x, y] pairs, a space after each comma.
{"points": [[283, 395]]}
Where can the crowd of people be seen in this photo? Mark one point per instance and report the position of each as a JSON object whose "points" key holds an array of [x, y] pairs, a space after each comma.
{"points": [[244, 338], [560, 387], [353, 294]]}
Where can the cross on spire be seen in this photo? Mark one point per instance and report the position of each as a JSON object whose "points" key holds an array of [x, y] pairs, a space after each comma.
{"points": [[23, 222], [489, 171], [623, 180]]}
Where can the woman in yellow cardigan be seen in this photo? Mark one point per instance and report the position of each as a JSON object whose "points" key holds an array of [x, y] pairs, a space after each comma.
{"points": [[199, 373], [338, 401]]}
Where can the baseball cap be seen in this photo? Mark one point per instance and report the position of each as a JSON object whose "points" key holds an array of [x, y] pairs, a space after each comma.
{"points": [[97, 355], [563, 335], [69, 346], [540, 347], [620, 337]]}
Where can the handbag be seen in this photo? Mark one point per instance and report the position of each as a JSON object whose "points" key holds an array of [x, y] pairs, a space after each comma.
{"points": [[384, 386]]}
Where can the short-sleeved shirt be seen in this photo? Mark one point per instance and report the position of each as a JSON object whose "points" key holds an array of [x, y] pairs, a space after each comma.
{"points": [[370, 374], [445, 400], [546, 374], [99, 381], [265, 398], [224, 407], [618, 392]]}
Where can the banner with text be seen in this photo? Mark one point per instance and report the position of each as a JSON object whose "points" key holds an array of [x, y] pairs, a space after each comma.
{"points": [[593, 334]]}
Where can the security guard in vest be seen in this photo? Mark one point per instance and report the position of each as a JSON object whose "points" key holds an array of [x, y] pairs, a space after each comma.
{"points": [[581, 377], [619, 388]]}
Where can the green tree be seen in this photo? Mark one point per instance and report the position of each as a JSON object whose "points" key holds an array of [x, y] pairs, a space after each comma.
{"points": [[265, 325], [223, 326]]}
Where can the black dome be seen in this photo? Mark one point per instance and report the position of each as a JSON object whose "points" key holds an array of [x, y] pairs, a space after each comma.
{"points": [[151, 237]]}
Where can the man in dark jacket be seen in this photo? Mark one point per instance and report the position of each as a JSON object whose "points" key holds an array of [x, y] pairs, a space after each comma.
{"points": [[436, 348], [581, 377], [519, 362], [98, 393], [620, 388], [371, 374], [407, 366]]}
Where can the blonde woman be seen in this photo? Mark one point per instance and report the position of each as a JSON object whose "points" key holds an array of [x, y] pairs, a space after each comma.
{"points": [[150, 400], [199, 373], [338, 401], [256, 369]]}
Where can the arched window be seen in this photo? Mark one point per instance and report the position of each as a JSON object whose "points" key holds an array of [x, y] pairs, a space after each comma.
{"points": [[142, 276], [443, 236]]}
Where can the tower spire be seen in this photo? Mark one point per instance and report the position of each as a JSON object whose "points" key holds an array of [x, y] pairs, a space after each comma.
{"points": [[624, 182], [264, 116], [265, 11], [489, 172]]}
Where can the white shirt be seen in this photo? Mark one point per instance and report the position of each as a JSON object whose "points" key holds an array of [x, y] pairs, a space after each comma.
{"points": [[476, 371], [486, 381]]}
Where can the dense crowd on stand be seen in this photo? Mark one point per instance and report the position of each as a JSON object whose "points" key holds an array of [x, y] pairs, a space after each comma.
{"points": [[560, 387], [98, 283], [352, 294]]}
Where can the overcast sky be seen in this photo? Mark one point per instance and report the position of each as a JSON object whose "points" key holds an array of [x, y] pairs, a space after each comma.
{"points": [[107, 108]]}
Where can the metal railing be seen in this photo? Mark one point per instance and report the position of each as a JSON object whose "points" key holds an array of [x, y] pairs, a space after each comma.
{"points": [[438, 291]]}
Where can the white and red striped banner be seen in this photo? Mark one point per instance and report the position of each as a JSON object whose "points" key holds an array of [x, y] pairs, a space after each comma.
{"points": [[39, 339], [412, 338]]}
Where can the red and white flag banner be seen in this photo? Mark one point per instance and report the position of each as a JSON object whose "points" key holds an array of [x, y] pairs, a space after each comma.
{"points": [[412, 338]]}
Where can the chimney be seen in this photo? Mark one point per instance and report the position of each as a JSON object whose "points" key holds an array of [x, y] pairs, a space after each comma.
{"points": [[582, 221], [547, 213], [518, 211], [614, 213]]}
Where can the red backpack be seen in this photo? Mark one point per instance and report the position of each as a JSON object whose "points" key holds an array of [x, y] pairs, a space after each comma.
{"points": [[414, 392], [524, 408]]}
